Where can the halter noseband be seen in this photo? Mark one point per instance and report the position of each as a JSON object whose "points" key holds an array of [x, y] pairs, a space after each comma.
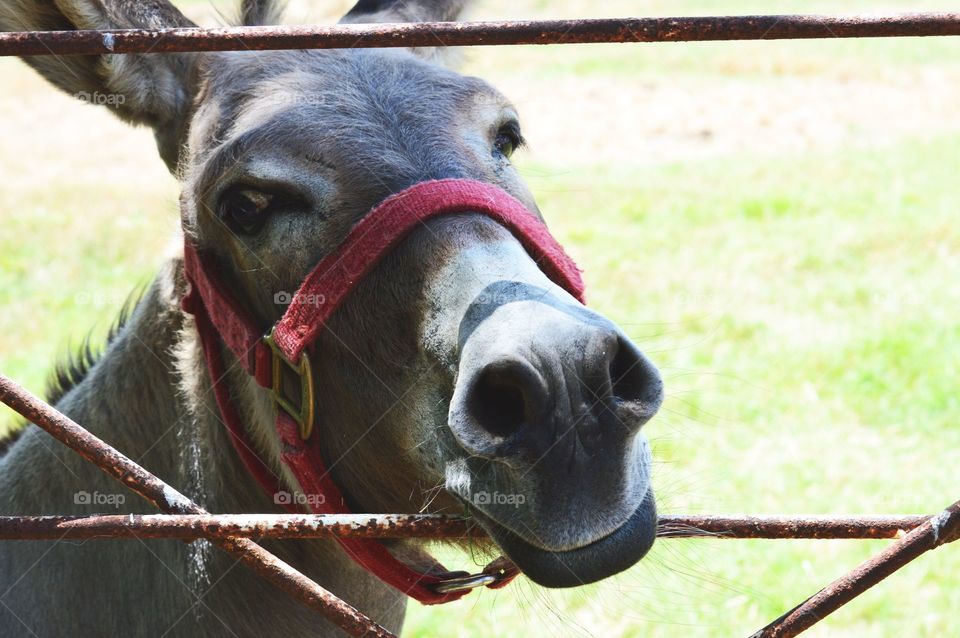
{"points": [[282, 357]]}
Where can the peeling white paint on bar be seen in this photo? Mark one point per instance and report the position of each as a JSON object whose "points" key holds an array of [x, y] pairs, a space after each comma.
{"points": [[176, 500], [937, 523]]}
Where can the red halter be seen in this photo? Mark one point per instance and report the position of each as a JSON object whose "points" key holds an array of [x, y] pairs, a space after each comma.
{"points": [[285, 353]]}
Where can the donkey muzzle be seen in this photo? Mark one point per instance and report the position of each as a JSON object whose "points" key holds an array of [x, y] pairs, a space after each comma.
{"points": [[549, 404]]}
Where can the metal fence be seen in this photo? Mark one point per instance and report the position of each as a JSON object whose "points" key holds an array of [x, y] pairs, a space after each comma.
{"points": [[184, 519]]}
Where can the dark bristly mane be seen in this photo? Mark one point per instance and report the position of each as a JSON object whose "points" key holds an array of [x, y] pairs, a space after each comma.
{"points": [[12, 434], [74, 366]]}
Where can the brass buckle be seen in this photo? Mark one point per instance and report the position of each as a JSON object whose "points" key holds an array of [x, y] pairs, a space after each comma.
{"points": [[302, 414]]}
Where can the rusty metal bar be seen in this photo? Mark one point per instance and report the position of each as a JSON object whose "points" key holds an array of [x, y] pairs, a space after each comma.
{"points": [[132, 475], [938, 530], [233, 526], [788, 527], [190, 527], [425, 34]]}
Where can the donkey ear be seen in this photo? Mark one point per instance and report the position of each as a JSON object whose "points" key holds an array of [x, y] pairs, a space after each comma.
{"points": [[370, 11], [155, 90]]}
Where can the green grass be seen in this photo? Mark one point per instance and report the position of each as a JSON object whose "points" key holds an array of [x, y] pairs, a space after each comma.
{"points": [[801, 304]]}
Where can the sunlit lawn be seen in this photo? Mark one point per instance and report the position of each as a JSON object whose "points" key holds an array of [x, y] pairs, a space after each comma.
{"points": [[802, 305]]}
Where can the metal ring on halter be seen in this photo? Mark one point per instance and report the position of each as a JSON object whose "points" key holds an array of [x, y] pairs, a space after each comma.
{"points": [[464, 583]]}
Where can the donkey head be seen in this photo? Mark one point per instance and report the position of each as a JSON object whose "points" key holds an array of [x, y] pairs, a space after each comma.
{"points": [[457, 373]]}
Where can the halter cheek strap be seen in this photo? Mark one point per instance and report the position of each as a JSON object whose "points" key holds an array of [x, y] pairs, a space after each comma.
{"points": [[281, 359]]}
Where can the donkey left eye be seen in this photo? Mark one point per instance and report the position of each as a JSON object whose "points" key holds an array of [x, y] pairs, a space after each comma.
{"points": [[245, 211], [508, 140]]}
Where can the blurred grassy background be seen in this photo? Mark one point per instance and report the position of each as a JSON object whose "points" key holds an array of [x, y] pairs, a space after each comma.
{"points": [[775, 223]]}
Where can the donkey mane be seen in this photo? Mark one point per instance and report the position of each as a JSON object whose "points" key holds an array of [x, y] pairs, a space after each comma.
{"points": [[14, 432], [74, 366]]}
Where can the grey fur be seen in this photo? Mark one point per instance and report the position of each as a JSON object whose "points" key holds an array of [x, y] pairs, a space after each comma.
{"points": [[373, 11], [260, 12], [340, 130], [405, 11]]}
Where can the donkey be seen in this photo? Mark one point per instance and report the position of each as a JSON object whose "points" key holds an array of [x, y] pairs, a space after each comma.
{"points": [[456, 368]]}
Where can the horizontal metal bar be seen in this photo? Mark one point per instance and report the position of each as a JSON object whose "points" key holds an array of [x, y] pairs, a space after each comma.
{"points": [[188, 527], [788, 527], [426, 34]]}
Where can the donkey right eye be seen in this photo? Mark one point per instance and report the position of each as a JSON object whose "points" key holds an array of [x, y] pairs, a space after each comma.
{"points": [[245, 211]]}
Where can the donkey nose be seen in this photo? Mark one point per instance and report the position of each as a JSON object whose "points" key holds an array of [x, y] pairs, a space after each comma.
{"points": [[587, 382]]}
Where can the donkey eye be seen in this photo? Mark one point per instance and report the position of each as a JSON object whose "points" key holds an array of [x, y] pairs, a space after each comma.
{"points": [[245, 211], [508, 139]]}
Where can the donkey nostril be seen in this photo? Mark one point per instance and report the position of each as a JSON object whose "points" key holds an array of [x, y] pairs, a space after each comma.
{"points": [[633, 378], [502, 398]]}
